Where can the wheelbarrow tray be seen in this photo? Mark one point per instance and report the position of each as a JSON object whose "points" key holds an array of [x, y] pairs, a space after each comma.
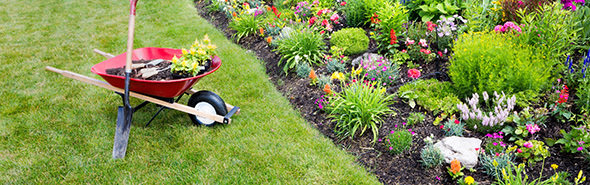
{"points": [[165, 88]]}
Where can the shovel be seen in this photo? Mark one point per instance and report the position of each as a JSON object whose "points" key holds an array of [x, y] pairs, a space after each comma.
{"points": [[125, 113]]}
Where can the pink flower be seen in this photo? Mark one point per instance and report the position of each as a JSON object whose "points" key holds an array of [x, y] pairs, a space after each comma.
{"points": [[413, 73], [498, 28], [312, 20], [324, 22], [581, 142], [334, 18], [519, 150], [380, 140], [390, 148], [457, 122], [322, 32], [437, 178], [532, 128], [423, 43], [442, 126], [392, 131], [343, 3], [527, 144], [440, 54], [404, 51], [409, 42], [495, 144], [580, 148]]}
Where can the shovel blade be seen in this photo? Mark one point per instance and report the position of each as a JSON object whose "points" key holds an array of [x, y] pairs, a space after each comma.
{"points": [[122, 132]]}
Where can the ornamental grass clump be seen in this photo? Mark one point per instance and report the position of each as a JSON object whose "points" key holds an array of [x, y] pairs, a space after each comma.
{"points": [[430, 155], [495, 62], [493, 162], [453, 127], [489, 114], [359, 107], [301, 47]]}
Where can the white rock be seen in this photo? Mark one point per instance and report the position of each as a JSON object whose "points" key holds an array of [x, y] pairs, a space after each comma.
{"points": [[365, 58], [460, 148]]}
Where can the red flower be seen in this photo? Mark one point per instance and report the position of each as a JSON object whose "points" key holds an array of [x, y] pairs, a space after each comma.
{"points": [[312, 20], [476, 149], [457, 122], [440, 54], [276, 12], [430, 26], [343, 3], [563, 95], [393, 38], [413, 73], [442, 126]]}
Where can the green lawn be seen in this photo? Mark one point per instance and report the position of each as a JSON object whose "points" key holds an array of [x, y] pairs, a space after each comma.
{"points": [[57, 130]]}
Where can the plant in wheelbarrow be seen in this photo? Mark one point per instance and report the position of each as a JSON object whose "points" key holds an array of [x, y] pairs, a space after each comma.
{"points": [[196, 60]]}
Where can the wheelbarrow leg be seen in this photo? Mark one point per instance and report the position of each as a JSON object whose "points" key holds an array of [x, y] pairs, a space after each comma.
{"points": [[162, 108]]}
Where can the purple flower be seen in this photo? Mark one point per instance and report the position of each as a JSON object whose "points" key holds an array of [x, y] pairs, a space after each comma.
{"points": [[580, 148], [380, 140], [527, 144], [581, 142], [392, 131], [495, 144], [390, 148], [532, 128], [437, 178]]}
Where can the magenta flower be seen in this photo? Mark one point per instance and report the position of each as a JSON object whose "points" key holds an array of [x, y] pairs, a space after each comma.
{"points": [[580, 148], [581, 142], [527, 144], [414, 73], [390, 148], [532, 128], [519, 150]]}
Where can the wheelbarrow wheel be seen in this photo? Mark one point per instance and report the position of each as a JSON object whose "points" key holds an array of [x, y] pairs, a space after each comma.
{"points": [[206, 101]]}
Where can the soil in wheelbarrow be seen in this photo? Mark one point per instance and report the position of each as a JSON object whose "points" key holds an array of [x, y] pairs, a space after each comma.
{"points": [[157, 69]]}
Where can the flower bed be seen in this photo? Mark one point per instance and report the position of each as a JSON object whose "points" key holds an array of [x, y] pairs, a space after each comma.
{"points": [[365, 102]]}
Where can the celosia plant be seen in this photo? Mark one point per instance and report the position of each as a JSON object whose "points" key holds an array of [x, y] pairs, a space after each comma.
{"points": [[455, 169], [194, 60], [508, 27]]}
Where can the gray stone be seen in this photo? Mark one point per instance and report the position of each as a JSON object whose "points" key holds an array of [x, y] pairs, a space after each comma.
{"points": [[460, 148], [366, 57]]}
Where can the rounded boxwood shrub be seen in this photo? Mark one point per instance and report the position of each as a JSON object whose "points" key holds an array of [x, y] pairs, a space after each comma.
{"points": [[495, 62], [353, 40]]}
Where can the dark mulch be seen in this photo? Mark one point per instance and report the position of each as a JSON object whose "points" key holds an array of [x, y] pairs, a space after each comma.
{"points": [[390, 169]]}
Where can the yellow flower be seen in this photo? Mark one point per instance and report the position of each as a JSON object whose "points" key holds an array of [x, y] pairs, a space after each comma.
{"points": [[192, 51], [183, 63], [184, 52], [337, 75], [206, 39], [504, 173], [174, 59], [195, 65], [382, 91], [201, 52], [554, 166], [469, 180], [495, 163], [211, 47]]}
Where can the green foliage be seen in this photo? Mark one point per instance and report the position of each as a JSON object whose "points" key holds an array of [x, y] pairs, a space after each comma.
{"points": [[518, 130], [334, 65], [511, 8], [492, 62], [415, 118], [431, 94], [513, 174], [431, 156], [245, 25], [493, 164], [494, 145], [399, 141], [551, 30], [355, 13], [380, 70], [301, 47], [353, 40], [303, 70], [576, 140], [193, 61], [323, 80], [483, 15], [434, 10], [359, 107], [533, 151], [388, 21], [582, 14], [453, 127]]}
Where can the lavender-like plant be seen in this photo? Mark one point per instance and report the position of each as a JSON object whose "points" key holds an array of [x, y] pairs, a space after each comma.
{"points": [[489, 114]]}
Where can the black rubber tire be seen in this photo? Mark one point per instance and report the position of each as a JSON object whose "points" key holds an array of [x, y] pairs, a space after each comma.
{"points": [[210, 98]]}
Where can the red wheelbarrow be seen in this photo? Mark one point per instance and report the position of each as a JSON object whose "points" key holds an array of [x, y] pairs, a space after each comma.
{"points": [[204, 107]]}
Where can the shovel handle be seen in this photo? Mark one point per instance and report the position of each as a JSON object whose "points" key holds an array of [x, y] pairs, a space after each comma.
{"points": [[132, 9]]}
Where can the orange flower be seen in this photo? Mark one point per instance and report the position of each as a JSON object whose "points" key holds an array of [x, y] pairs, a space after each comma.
{"points": [[312, 75], [234, 14], [261, 31], [269, 39], [455, 166], [327, 89]]}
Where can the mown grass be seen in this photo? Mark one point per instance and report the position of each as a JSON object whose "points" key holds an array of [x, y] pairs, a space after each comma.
{"points": [[57, 130]]}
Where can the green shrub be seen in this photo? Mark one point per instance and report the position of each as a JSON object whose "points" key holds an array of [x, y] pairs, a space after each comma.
{"points": [[303, 70], [493, 62], [302, 46], [481, 15], [399, 141], [353, 40], [355, 13], [392, 16], [551, 31], [582, 15], [335, 66], [359, 107], [533, 151], [244, 25], [431, 94], [415, 118]]}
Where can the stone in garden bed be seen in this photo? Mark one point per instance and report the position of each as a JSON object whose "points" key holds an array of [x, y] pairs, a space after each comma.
{"points": [[460, 148]]}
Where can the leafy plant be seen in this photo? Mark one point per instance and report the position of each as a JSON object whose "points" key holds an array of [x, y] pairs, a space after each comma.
{"points": [[576, 140], [244, 24], [488, 115], [415, 118], [455, 169], [193, 61], [430, 155], [399, 141], [526, 123], [437, 9], [583, 13], [303, 70], [359, 107], [493, 164], [387, 20], [453, 127], [532, 151], [353, 40], [301, 47], [551, 30], [513, 174], [483, 15], [431, 94], [511, 8], [334, 65], [380, 70], [493, 62], [354, 12]]}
